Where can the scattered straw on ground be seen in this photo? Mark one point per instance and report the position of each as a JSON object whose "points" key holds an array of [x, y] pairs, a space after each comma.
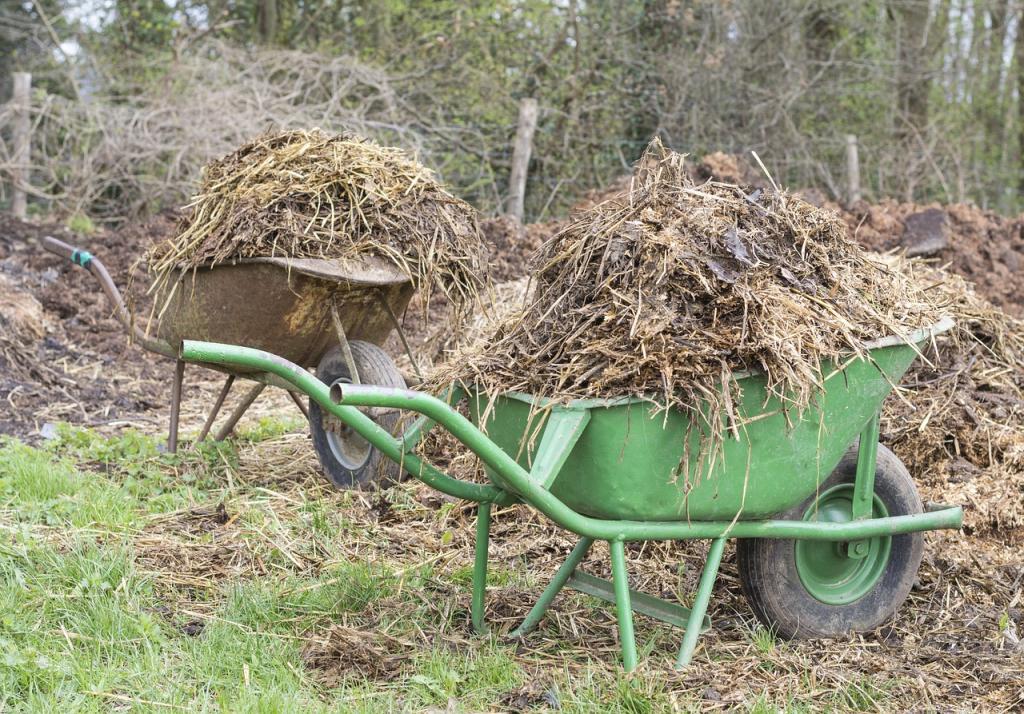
{"points": [[669, 289], [339, 652], [307, 194]]}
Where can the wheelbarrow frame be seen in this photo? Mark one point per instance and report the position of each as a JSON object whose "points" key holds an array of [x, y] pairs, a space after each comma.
{"points": [[343, 403]]}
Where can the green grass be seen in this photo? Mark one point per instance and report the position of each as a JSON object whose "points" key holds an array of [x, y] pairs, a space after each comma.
{"points": [[85, 627]]}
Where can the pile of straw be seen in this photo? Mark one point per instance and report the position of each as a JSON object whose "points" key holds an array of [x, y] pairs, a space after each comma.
{"points": [[306, 194], [668, 290]]}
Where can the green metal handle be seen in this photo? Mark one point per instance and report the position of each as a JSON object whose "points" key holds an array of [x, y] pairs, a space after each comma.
{"points": [[350, 396], [230, 355]]}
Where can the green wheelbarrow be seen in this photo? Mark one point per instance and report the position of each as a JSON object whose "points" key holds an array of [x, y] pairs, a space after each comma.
{"points": [[829, 523]]}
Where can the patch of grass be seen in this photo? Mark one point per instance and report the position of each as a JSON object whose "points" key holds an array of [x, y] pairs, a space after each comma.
{"points": [[270, 427], [93, 529], [864, 693], [497, 576], [595, 690], [42, 488], [764, 639], [158, 481], [81, 223], [73, 619], [473, 679]]}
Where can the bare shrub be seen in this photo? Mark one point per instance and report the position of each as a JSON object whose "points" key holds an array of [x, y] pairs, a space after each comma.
{"points": [[123, 151]]}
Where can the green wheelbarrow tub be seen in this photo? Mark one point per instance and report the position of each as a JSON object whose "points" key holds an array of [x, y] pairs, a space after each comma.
{"points": [[621, 459]]}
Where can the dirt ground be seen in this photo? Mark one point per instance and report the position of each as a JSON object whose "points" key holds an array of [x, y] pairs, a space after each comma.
{"points": [[82, 368], [956, 644]]}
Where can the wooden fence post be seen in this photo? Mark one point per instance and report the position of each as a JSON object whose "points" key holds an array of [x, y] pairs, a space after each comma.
{"points": [[528, 111], [22, 135], [852, 169]]}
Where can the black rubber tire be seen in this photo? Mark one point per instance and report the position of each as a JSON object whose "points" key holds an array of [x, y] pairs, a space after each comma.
{"points": [[768, 573], [377, 471]]}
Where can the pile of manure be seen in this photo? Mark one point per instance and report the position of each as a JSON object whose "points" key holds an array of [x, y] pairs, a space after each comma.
{"points": [[672, 288], [307, 194], [23, 325], [960, 420]]}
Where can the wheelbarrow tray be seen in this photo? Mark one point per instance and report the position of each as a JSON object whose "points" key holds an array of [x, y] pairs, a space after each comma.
{"points": [[627, 460], [284, 305]]}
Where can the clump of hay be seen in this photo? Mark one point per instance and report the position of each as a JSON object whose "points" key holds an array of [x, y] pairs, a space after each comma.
{"points": [[670, 289], [307, 194]]}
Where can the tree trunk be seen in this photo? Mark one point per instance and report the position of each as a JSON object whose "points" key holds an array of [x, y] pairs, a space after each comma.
{"points": [[1020, 101], [521, 157], [22, 136], [998, 17], [913, 75], [267, 21]]}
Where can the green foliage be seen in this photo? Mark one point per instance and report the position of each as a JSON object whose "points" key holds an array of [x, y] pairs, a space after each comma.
{"points": [[81, 223], [53, 492], [788, 79]]}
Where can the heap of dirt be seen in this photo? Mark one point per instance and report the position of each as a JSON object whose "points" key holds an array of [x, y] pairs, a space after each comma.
{"points": [[71, 360], [668, 290], [509, 246], [307, 194], [728, 168], [982, 246], [22, 328]]}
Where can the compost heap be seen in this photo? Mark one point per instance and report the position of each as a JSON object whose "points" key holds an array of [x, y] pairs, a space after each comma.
{"points": [[670, 289], [960, 417], [307, 194]]}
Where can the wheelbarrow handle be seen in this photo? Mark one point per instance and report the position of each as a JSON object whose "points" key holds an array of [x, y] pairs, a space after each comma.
{"points": [[95, 266], [69, 252]]}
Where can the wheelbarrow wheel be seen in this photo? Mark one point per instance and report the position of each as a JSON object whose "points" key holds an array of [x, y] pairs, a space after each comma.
{"points": [[348, 460], [809, 589]]}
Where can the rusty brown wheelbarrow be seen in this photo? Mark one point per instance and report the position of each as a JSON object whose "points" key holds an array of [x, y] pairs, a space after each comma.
{"points": [[330, 315]]}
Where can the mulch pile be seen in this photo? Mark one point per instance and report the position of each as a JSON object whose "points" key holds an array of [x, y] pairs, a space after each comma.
{"points": [[960, 428], [960, 425], [667, 290]]}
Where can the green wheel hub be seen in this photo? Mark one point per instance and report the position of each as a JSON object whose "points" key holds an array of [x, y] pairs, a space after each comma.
{"points": [[829, 570]]}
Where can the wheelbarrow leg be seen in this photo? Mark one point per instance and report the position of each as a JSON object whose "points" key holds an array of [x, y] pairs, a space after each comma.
{"points": [[483, 536], [240, 410], [700, 603], [299, 404], [623, 607], [216, 408], [557, 583], [179, 378]]}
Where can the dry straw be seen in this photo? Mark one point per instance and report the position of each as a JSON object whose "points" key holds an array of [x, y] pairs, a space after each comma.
{"points": [[670, 289], [307, 194]]}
